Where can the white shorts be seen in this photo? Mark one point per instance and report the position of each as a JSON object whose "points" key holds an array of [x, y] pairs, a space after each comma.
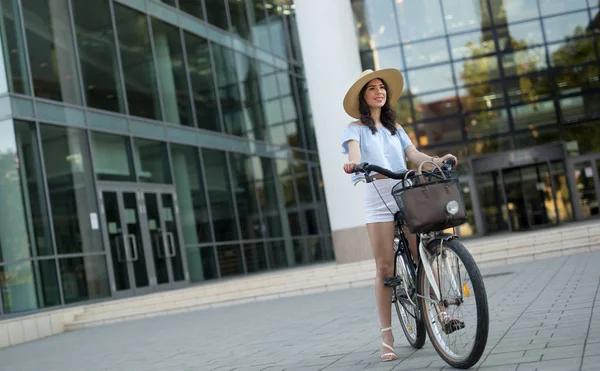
{"points": [[376, 209]]}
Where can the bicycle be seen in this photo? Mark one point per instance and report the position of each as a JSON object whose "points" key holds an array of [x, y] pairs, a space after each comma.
{"points": [[417, 312]]}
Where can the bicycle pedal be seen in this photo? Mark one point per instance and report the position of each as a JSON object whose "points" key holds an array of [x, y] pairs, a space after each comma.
{"points": [[452, 325], [392, 281]]}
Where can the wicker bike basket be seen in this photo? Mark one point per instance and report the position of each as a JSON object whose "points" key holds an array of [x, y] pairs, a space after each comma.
{"points": [[430, 202]]}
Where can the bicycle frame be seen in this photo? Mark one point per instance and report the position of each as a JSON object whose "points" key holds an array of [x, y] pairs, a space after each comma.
{"points": [[424, 257]]}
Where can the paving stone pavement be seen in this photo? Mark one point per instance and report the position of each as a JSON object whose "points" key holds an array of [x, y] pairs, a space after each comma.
{"points": [[545, 315]]}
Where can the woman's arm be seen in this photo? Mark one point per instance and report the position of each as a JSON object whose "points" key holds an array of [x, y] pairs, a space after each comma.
{"points": [[353, 156], [416, 157]]}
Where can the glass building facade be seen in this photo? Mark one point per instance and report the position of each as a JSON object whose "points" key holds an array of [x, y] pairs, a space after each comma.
{"points": [[512, 87], [150, 145]]}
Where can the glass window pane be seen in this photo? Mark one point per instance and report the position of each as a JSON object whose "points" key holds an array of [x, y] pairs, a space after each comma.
{"points": [[490, 145], [242, 181], [287, 182], [193, 7], [476, 71], [112, 157], [239, 18], [260, 26], [51, 50], [277, 254], [583, 138], [566, 26], [375, 23], [230, 260], [138, 63], [528, 88], [70, 177], [203, 89], [535, 136], [486, 123], [84, 278], [482, 97], [98, 55], [471, 45], [193, 206], [169, 2], [577, 79], [403, 111], [152, 161], [464, 15], [426, 52], [577, 107], [277, 29], [521, 35], [219, 194], [172, 74], [29, 285], [303, 183], [216, 13], [255, 123], [228, 83], [532, 115], [549, 7], [524, 61], [586, 190], [294, 37], [439, 131], [256, 258], [272, 210], [563, 195], [572, 52], [510, 11], [202, 263], [14, 236], [33, 199], [382, 58], [419, 19], [13, 48], [429, 79], [435, 105]]}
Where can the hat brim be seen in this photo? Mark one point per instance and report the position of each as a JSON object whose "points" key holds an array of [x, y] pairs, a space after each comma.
{"points": [[392, 77]]}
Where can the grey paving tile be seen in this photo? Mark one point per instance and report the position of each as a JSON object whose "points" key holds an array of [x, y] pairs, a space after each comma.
{"points": [[590, 363], [569, 364]]}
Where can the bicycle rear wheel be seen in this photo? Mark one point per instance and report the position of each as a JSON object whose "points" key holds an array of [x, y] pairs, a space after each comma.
{"points": [[460, 335]]}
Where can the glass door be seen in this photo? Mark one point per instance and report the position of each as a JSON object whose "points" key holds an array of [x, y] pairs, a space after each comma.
{"points": [[585, 176], [123, 234], [163, 231]]}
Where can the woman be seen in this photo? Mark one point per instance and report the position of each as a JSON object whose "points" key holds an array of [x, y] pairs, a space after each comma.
{"points": [[376, 138]]}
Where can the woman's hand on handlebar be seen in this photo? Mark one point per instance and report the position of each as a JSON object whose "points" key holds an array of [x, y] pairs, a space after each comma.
{"points": [[446, 157], [349, 167]]}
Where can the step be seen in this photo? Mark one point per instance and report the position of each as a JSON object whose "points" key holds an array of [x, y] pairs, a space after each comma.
{"points": [[488, 251]]}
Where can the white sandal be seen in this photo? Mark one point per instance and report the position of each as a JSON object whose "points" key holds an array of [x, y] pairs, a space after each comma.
{"points": [[395, 357]]}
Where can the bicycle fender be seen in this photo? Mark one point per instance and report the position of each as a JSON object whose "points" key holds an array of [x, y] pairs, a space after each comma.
{"points": [[439, 238]]}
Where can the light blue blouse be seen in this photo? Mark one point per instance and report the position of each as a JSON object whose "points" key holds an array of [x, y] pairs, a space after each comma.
{"points": [[382, 148]]}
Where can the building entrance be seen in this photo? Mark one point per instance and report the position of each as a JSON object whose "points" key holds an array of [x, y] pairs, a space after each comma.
{"points": [[142, 230], [523, 190]]}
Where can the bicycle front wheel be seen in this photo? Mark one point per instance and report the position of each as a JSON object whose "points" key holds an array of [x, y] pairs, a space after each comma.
{"points": [[458, 324]]}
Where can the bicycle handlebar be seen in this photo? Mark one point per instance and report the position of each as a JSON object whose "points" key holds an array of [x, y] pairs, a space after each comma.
{"points": [[367, 168]]}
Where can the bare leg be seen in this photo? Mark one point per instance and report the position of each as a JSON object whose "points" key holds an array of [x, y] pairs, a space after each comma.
{"points": [[381, 236]]}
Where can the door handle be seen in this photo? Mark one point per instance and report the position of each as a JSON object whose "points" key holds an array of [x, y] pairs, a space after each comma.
{"points": [[159, 247], [166, 244], [172, 244], [134, 249], [121, 248]]}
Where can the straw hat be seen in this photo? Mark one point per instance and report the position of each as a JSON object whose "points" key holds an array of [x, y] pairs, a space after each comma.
{"points": [[392, 77]]}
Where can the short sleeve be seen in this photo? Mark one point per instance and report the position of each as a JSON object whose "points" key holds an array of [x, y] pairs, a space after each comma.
{"points": [[404, 138], [352, 132]]}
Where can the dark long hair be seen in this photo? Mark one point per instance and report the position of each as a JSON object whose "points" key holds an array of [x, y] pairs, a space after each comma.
{"points": [[388, 115]]}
